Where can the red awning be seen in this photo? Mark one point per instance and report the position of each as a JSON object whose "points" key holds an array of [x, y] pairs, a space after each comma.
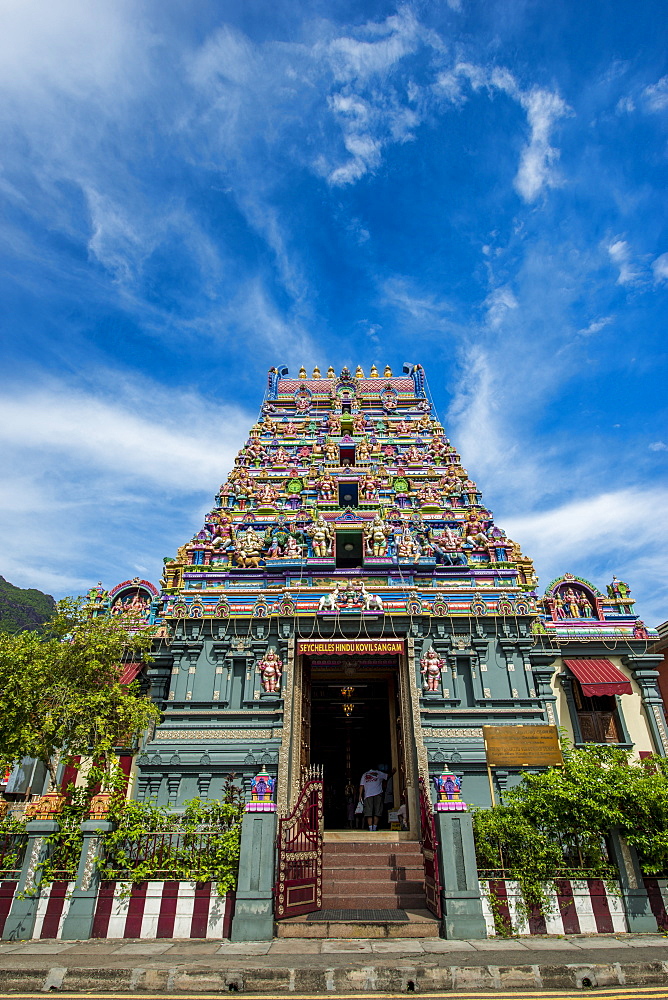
{"points": [[130, 671], [599, 677]]}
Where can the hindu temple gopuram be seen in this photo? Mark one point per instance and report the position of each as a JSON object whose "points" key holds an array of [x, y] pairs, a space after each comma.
{"points": [[350, 617], [349, 601]]}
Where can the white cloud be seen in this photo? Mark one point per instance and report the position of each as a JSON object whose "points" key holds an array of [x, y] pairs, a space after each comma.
{"points": [[498, 304], [102, 473], [116, 437], [656, 95], [535, 172], [621, 257], [658, 446], [623, 531], [660, 268], [596, 326], [358, 59], [625, 106]]}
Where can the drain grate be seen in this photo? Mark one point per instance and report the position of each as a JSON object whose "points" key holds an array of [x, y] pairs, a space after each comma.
{"points": [[384, 916]]}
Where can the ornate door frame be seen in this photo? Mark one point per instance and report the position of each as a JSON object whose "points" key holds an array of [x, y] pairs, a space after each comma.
{"points": [[414, 752]]}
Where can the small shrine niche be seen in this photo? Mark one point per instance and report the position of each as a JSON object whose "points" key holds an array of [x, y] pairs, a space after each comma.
{"points": [[572, 599]]}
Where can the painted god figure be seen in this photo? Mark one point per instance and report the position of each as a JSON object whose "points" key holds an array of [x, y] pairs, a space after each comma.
{"points": [[321, 537], [431, 666], [270, 669], [448, 787], [363, 451], [369, 488], [262, 787], [376, 536], [326, 488], [359, 423], [406, 545]]}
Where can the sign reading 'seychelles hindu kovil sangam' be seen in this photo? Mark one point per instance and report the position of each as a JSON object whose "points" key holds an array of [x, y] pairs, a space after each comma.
{"points": [[333, 647], [522, 746]]}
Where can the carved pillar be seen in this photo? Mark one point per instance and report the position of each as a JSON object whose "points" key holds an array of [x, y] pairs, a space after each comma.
{"points": [[542, 665], [645, 672], [460, 889], [173, 785], [21, 918], [254, 908], [78, 923], [203, 782], [638, 911]]}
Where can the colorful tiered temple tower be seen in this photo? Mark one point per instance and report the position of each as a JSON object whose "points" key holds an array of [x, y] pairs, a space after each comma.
{"points": [[350, 602]]}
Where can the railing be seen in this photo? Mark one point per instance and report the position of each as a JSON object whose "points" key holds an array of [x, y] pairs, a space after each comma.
{"points": [[12, 851], [574, 859], [430, 848], [298, 887], [169, 855]]}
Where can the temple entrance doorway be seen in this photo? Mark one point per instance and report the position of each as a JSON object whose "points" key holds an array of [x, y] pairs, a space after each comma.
{"points": [[351, 722]]}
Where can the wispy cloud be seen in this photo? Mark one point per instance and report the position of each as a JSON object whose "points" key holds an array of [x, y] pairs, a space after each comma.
{"points": [[622, 257], [656, 95], [660, 268], [622, 532]]}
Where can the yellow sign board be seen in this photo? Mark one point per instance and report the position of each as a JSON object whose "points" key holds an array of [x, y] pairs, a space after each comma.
{"points": [[522, 746]]}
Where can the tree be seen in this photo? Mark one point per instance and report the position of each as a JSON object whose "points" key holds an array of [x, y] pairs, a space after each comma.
{"points": [[61, 690]]}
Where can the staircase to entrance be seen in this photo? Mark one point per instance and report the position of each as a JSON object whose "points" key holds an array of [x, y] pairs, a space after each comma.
{"points": [[370, 888]]}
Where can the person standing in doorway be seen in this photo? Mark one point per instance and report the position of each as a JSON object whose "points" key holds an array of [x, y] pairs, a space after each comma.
{"points": [[372, 791]]}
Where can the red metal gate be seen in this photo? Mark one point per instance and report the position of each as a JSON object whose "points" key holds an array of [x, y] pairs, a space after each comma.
{"points": [[429, 845], [299, 881]]}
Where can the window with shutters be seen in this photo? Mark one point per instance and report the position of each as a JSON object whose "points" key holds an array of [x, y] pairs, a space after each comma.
{"points": [[597, 717]]}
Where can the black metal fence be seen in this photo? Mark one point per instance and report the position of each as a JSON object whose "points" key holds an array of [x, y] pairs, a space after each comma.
{"points": [[12, 852]]}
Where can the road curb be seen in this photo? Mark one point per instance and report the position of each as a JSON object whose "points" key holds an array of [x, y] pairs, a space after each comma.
{"points": [[285, 980]]}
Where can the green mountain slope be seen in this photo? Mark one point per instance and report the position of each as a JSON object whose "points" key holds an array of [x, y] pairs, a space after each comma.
{"points": [[23, 609]]}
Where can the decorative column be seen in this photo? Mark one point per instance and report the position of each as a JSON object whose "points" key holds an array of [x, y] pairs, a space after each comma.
{"points": [[645, 673], [254, 909], [78, 923], [20, 921], [461, 901], [542, 667]]}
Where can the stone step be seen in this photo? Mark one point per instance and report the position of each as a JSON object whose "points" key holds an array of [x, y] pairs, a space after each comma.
{"points": [[375, 901], [420, 924], [366, 883], [372, 847], [346, 870]]}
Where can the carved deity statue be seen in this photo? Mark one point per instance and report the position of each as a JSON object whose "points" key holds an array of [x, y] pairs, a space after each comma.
{"points": [[331, 450], [475, 532], [406, 545], [369, 488], [376, 536], [321, 536], [326, 488], [363, 451], [248, 549], [412, 455], [431, 666], [334, 423], [270, 669], [266, 494], [359, 423]]}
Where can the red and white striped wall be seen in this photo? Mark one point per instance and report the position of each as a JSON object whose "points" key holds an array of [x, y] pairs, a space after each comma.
{"points": [[657, 890], [7, 890], [149, 910], [578, 906]]}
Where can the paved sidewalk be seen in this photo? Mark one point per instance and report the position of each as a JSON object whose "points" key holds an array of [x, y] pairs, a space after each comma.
{"points": [[334, 965]]}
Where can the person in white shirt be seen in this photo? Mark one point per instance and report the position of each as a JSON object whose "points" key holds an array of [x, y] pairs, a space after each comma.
{"points": [[372, 790]]}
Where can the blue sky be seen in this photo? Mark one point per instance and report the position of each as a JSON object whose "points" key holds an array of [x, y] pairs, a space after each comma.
{"points": [[192, 193]]}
